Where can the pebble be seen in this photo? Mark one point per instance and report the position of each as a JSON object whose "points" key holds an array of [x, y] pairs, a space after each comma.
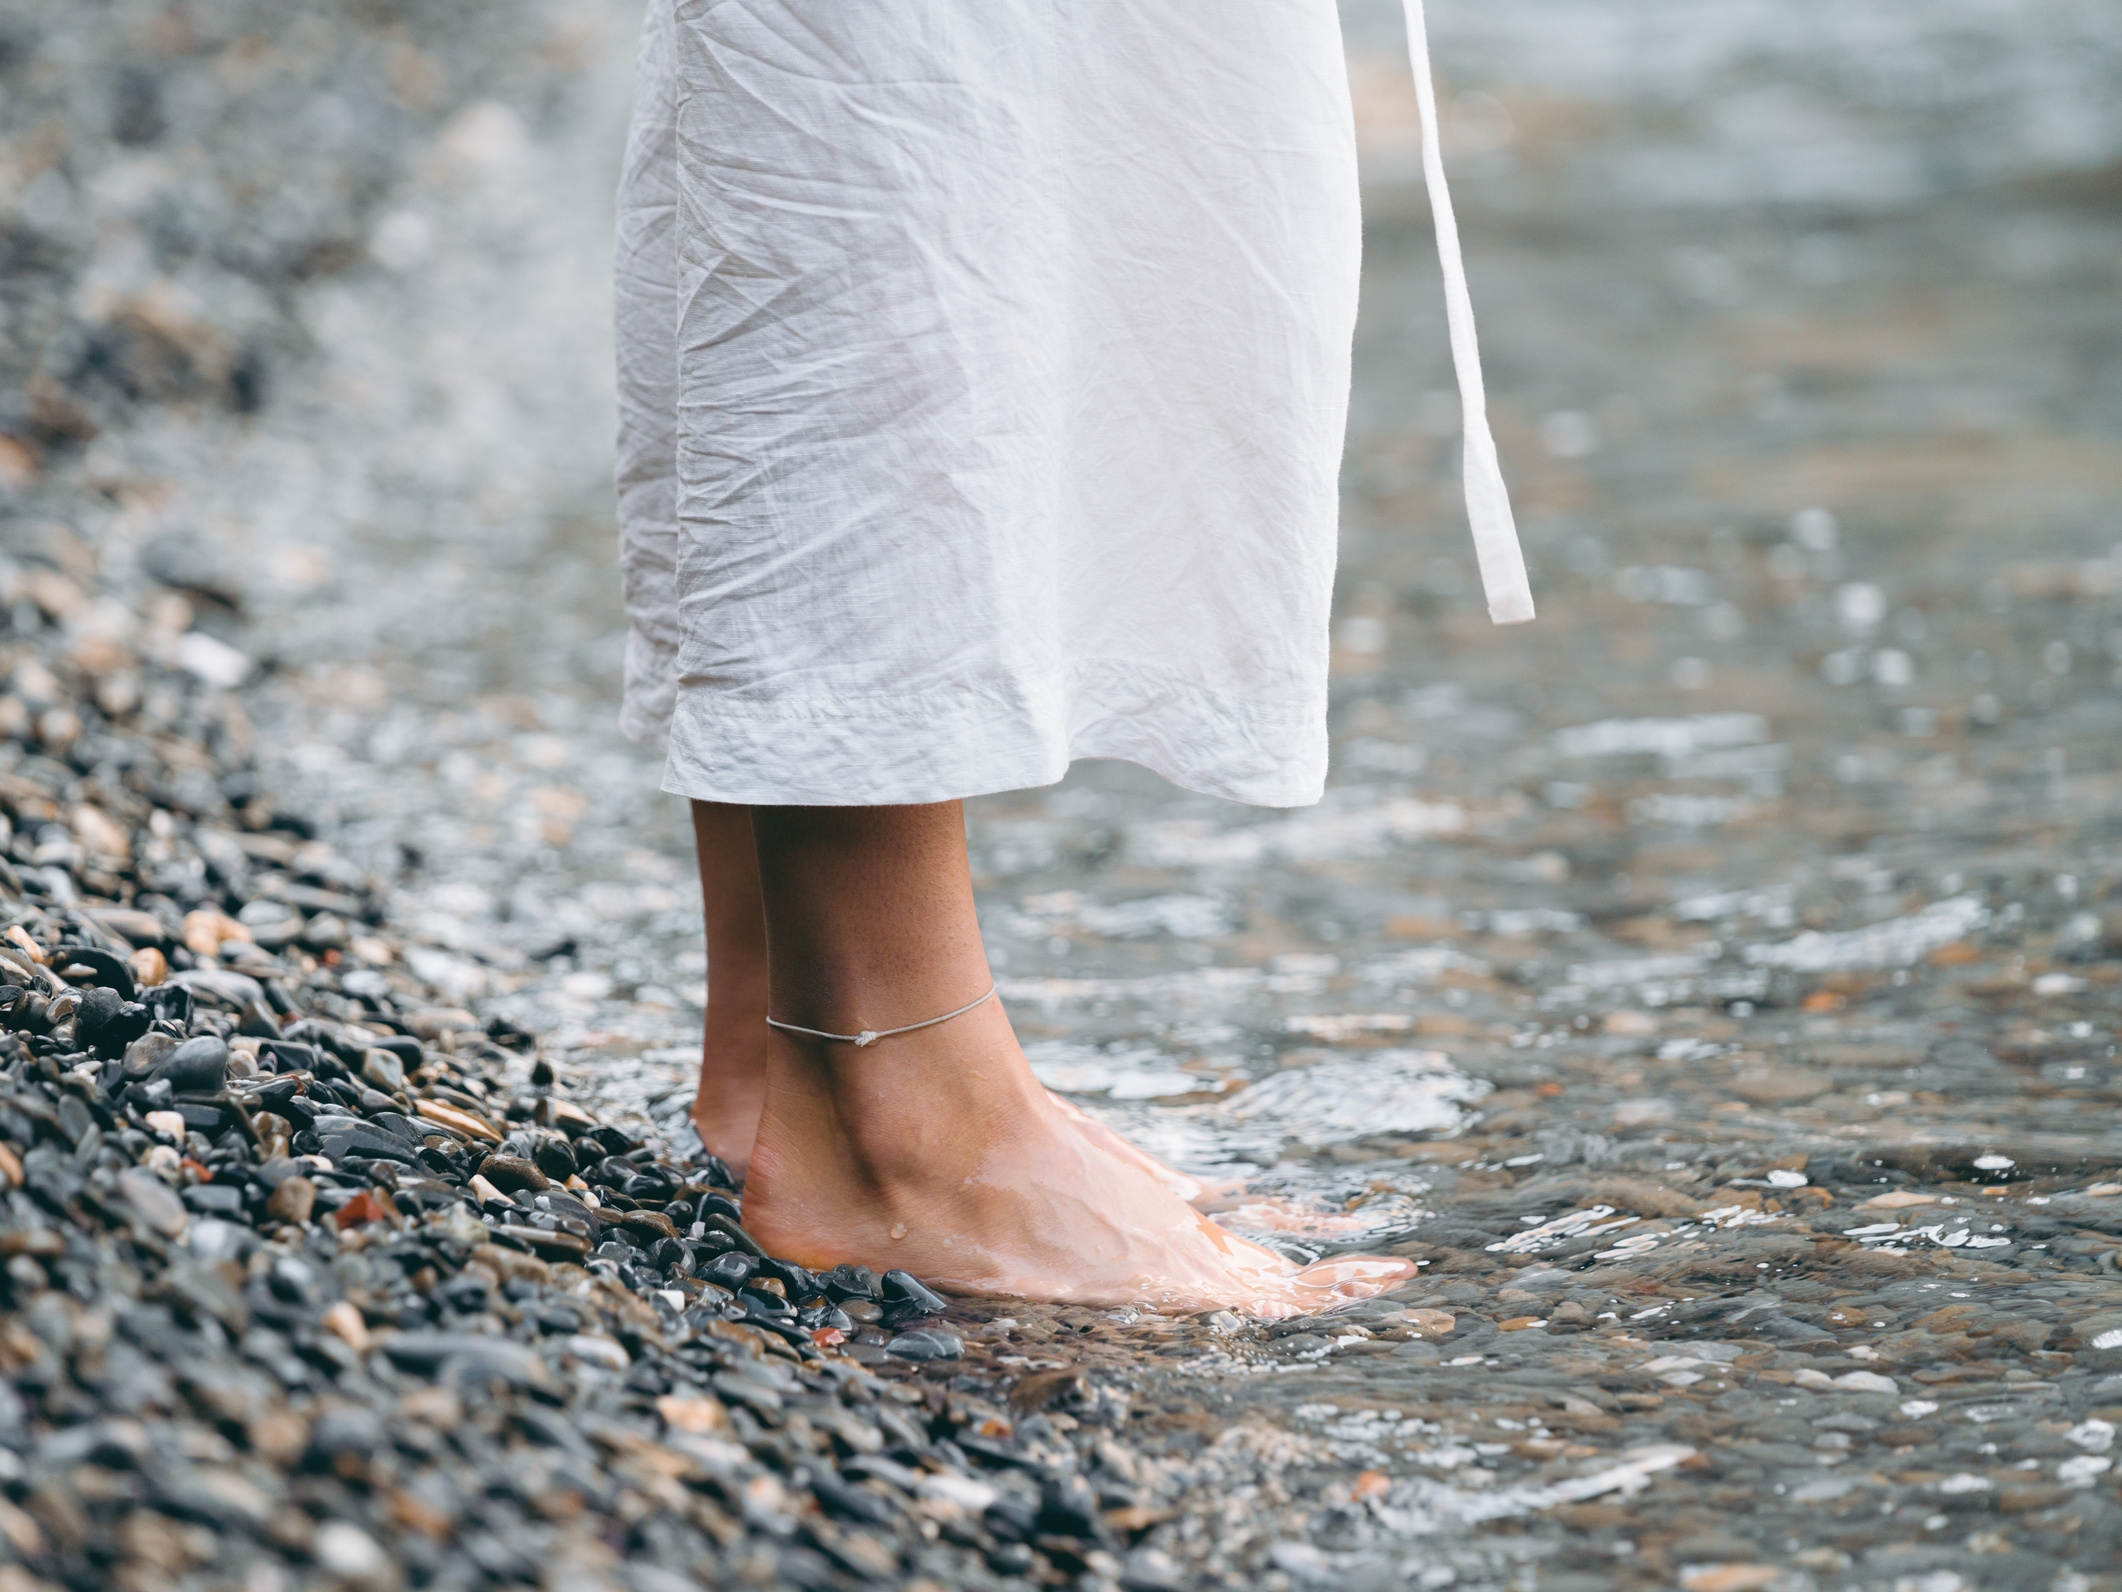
{"points": [[384, 1070], [901, 1288], [196, 1066], [292, 1201], [508, 1173], [926, 1345], [155, 1200], [346, 1550]]}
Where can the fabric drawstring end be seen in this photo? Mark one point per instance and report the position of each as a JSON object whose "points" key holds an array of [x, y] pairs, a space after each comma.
{"points": [[1502, 561]]}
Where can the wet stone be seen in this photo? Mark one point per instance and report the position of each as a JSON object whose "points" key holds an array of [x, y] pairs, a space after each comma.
{"points": [[556, 1159], [731, 1270], [901, 1289], [509, 1173], [196, 1066], [926, 1345], [849, 1282], [344, 1139], [385, 1070]]}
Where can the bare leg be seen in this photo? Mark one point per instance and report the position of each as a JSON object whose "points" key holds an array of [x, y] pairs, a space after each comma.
{"points": [[939, 1151], [732, 1087], [733, 1052]]}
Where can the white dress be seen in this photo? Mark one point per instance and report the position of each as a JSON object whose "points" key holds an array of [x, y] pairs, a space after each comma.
{"points": [[983, 372]]}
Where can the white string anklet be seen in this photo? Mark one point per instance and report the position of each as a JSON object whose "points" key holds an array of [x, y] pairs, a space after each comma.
{"points": [[869, 1036]]}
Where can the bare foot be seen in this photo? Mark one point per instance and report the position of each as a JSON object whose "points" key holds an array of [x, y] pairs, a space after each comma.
{"points": [[732, 1093], [940, 1152]]}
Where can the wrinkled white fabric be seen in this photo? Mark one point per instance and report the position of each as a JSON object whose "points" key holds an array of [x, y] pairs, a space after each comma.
{"points": [[983, 370]]}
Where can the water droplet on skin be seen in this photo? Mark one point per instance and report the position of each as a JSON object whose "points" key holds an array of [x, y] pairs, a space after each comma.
{"points": [[898, 1229]]}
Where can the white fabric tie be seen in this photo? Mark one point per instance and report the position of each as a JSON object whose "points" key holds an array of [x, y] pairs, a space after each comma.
{"points": [[1510, 597]]}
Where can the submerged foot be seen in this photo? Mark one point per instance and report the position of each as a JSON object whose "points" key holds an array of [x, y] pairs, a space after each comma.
{"points": [[941, 1153], [731, 1094], [1182, 1185], [1263, 1213]]}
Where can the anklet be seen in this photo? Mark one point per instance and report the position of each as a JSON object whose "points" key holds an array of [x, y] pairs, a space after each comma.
{"points": [[869, 1036]]}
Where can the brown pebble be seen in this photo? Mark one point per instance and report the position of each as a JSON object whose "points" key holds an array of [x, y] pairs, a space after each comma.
{"points": [[695, 1414], [549, 1244], [206, 930], [279, 1436], [292, 1201], [10, 1167], [642, 1224], [1728, 1577], [508, 1173], [1041, 1388], [511, 1265], [461, 1120], [569, 1118], [344, 1321]]}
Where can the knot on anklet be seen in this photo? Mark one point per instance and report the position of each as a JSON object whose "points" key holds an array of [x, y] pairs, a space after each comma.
{"points": [[869, 1036]]}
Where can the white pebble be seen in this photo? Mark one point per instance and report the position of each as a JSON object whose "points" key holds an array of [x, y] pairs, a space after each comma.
{"points": [[348, 1551]]}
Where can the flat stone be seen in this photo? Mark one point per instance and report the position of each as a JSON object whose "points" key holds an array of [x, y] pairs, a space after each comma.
{"points": [[598, 1350], [510, 1173], [545, 1242], [384, 1069], [427, 1352], [926, 1344], [743, 1390], [345, 1136], [214, 1199], [156, 1202], [646, 1228], [464, 1122]]}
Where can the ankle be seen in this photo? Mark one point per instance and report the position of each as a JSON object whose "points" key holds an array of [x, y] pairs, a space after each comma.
{"points": [[734, 1037], [906, 1112]]}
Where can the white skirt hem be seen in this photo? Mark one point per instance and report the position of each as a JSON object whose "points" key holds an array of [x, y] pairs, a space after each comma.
{"points": [[755, 754]]}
